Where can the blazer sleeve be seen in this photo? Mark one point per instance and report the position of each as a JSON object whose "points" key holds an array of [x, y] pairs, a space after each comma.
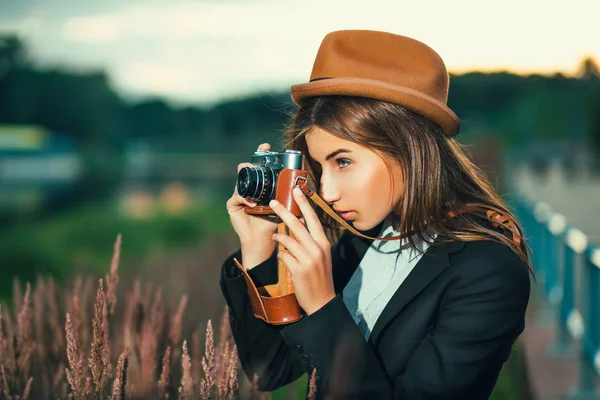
{"points": [[260, 347], [481, 316]]}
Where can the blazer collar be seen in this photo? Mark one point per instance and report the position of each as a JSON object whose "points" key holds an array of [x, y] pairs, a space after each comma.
{"points": [[435, 261]]}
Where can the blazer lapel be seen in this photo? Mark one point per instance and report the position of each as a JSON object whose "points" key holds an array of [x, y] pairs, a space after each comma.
{"points": [[435, 260]]}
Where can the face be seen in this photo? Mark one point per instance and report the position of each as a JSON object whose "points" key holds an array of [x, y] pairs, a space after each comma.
{"points": [[355, 179]]}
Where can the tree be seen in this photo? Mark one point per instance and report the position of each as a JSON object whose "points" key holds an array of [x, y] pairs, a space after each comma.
{"points": [[12, 53], [589, 69]]}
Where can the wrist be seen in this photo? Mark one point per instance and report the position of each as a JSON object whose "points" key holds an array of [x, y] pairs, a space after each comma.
{"points": [[322, 303], [258, 247], [254, 253], [257, 242]]}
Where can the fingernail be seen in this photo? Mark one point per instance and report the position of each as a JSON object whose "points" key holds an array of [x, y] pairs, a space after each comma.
{"points": [[297, 190], [273, 203]]}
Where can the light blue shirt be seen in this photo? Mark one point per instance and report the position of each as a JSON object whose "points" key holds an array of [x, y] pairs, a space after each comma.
{"points": [[383, 268]]}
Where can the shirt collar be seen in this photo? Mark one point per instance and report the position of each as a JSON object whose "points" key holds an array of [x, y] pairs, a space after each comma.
{"points": [[387, 231]]}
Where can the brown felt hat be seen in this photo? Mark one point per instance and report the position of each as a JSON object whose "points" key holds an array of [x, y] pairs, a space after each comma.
{"points": [[382, 66]]}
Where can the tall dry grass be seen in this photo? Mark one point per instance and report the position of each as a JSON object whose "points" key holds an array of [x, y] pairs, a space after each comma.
{"points": [[85, 342]]}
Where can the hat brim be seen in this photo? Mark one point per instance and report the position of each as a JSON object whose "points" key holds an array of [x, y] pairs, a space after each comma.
{"points": [[411, 99]]}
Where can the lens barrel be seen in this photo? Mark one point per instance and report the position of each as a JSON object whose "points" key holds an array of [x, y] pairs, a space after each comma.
{"points": [[256, 183]]}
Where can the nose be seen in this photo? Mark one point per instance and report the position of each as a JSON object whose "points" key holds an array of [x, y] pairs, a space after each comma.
{"points": [[329, 191]]}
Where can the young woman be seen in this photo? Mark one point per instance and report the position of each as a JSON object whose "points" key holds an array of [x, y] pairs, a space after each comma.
{"points": [[431, 316]]}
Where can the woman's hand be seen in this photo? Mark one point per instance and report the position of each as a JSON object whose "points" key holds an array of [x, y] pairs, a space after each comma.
{"points": [[308, 255], [255, 232]]}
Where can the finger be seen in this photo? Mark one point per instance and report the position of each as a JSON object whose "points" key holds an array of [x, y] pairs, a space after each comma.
{"points": [[264, 146], [236, 198], [236, 202], [296, 227], [245, 200], [244, 164], [241, 199], [312, 220], [290, 262], [291, 245]]}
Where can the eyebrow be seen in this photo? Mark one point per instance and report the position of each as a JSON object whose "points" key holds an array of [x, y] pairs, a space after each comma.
{"points": [[335, 153]]}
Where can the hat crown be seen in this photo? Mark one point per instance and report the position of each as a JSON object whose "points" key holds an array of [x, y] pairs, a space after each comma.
{"points": [[382, 66], [385, 57]]}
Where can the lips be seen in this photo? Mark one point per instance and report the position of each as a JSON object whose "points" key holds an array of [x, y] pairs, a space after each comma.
{"points": [[347, 215]]}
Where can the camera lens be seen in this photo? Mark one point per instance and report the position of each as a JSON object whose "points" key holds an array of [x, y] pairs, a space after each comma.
{"points": [[256, 183]]}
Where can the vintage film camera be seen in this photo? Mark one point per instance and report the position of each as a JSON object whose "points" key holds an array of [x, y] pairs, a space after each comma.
{"points": [[274, 176]]}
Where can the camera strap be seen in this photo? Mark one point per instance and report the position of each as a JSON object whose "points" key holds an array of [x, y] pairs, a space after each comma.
{"points": [[277, 304]]}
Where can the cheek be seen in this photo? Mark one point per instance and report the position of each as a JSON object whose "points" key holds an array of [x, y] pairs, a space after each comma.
{"points": [[372, 186]]}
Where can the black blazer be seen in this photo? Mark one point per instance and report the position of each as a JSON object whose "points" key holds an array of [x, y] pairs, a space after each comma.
{"points": [[444, 334]]}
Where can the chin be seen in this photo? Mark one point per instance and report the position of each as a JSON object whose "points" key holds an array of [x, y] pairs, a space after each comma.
{"points": [[361, 226], [364, 226]]}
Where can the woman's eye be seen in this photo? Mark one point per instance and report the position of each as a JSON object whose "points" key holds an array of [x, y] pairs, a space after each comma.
{"points": [[343, 162]]}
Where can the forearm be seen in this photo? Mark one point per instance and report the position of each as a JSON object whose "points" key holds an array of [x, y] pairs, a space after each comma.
{"points": [[260, 345], [346, 365], [261, 349], [255, 253]]}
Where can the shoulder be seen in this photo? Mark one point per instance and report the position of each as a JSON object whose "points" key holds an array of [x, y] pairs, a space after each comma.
{"points": [[490, 265], [488, 256], [489, 250]]}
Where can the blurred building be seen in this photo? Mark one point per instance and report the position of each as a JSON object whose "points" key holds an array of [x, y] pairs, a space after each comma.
{"points": [[172, 181], [35, 164]]}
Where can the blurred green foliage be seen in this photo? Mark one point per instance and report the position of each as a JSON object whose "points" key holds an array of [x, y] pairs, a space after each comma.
{"points": [[514, 110], [87, 108], [84, 238]]}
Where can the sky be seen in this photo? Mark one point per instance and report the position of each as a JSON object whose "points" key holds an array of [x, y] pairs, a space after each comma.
{"points": [[205, 51]]}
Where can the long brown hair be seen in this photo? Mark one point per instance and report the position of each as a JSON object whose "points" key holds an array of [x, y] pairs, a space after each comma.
{"points": [[438, 175]]}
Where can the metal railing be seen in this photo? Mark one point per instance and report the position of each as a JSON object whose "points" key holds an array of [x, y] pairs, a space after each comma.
{"points": [[567, 268]]}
